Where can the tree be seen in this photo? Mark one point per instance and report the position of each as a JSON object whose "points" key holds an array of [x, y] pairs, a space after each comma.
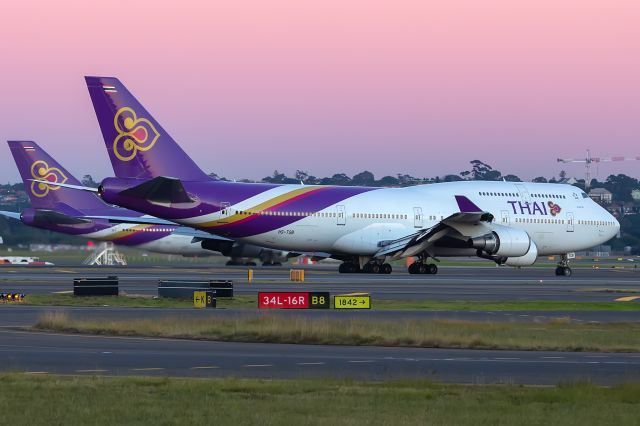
{"points": [[540, 179], [365, 178], [621, 186], [388, 181], [512, 178], [87, 180], [481, 171]]}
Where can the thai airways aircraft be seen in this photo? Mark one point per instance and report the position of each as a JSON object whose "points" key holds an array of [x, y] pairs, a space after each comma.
{"points": [[508, 222], [78, 213]]}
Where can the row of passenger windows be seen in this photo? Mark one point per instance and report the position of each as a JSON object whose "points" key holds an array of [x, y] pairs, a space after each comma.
{"points": [[547, 196], [596, 222], [149, 230], [378, 216], [515, 194], [325, 214], [537, 220], [274, 213], [498, 194]]}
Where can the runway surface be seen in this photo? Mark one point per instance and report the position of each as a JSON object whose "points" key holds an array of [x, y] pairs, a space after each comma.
{"points": [[451, 283], [40, 353]]}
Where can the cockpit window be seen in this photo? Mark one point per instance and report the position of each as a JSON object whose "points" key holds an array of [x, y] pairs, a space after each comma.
{"points": [[584, 195]]}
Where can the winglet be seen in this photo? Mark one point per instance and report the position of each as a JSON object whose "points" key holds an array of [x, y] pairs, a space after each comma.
{"points": [[466, 205]]}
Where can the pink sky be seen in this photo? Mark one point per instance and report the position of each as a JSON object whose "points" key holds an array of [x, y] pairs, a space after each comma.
{"points": [[416, 87]]}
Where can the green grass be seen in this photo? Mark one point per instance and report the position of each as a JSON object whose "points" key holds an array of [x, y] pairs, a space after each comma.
{"points": [[163, 401], [557, 335], [130, 301], [250, 302], [515, 305]]}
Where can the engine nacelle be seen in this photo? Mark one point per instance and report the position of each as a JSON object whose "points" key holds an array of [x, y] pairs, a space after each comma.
{"points": [[526, 260], [504, 242]]}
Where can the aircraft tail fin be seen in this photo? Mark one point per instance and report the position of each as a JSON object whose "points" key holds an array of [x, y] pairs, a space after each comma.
{"points": [[34, 163], [138, 146]]}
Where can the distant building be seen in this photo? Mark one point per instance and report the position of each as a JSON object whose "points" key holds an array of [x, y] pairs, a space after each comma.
{"points": [[601, 195]]}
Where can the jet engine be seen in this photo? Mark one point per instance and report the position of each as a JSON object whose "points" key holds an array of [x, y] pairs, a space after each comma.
{"points": [[526, 260], [503, 242]]}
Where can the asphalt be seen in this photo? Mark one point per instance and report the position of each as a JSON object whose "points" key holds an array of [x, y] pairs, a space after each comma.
{"points": [[50, 353], [451, 283], [43, 353]]}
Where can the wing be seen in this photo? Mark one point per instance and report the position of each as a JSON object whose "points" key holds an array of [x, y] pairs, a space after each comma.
{"points": [[420, 241]]}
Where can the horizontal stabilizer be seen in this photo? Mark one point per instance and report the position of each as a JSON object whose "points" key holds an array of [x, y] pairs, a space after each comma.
{"points": [[65, 185], [160, 190], [12, 215]]}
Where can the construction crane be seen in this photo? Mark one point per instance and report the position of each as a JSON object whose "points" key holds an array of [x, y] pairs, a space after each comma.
{"points": [[587, 164]]}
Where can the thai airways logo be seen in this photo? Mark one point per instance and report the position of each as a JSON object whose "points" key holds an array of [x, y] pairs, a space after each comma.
{"points": [[40, 170], [554, 209], [134, 134]]}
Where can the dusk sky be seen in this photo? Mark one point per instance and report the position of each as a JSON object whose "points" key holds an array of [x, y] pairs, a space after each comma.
{"points": [[418, 87]]}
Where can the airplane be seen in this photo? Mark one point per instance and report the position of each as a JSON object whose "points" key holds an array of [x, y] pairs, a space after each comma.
{"points": [[79, 213], [510, 223]]}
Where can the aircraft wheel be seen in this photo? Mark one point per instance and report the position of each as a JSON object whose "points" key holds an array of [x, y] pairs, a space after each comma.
{"points": [[559, 271], [432, 269], [375, 268], [567, 271], [386, 268], [413, 268], [367, 268], [422, 269], [250, 264]]}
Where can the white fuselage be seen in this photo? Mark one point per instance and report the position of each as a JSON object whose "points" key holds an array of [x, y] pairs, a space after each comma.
{"points": [[558, 218]]}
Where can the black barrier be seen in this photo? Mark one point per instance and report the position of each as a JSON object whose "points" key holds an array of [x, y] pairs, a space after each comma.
{"points": [[183, 289], [95, 286], [223, 288]]}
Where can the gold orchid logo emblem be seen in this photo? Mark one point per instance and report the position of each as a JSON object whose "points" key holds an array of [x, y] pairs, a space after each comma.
{"points": [[40, 170], [134, 134]]}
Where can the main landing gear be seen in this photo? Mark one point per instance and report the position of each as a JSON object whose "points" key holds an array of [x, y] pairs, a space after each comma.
{"points": [[563, 269], [368, 268], [419, 267]]}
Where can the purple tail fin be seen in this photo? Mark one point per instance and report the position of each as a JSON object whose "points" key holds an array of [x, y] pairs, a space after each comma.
{"points": [[138, 146], [34, 163]]}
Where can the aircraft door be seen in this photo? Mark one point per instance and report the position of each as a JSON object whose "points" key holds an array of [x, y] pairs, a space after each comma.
{"points": [[225, 210], [569, 221], [505, 217], [341, 215], [417, 217]]}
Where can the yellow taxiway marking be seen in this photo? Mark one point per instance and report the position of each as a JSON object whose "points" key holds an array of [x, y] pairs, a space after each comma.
{"points": [[63, 292], [147, 369], [66, 271], [627, 299], [91, 371], [257, 365], [204, 367]]}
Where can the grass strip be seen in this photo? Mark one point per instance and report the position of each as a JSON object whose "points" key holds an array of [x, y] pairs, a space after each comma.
{"points": [[250, 302], [137, 400], [556, 335]]}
